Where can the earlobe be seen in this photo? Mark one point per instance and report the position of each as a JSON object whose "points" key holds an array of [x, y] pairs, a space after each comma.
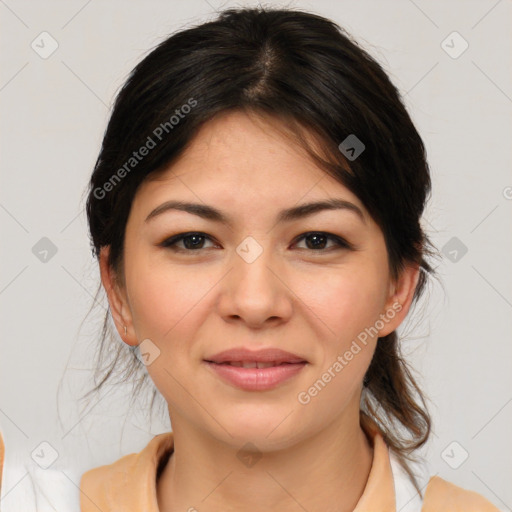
{"points": [[116, 298], [400, 298]]}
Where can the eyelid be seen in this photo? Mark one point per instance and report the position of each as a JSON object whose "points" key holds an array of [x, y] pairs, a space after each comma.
{"points": [[340, 242], [174, 239]]}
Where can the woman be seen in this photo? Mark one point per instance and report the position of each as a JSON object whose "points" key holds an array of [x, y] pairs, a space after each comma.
{"points": [[255, 210]]}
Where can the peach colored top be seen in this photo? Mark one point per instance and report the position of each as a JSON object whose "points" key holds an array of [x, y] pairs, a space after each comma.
{"points": [[2, 457], [130, 483]]}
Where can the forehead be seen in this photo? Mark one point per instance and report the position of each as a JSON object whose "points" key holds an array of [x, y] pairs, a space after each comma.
{"points": [[236, 146], [236, 155]]}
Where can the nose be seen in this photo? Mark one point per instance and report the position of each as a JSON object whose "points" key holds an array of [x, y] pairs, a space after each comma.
{"points": [[256, 293]]}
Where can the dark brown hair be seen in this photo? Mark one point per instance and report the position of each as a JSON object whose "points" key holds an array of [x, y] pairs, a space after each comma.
{"points": [[307, 72]]}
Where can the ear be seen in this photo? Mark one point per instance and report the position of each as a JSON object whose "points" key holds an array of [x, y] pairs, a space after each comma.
{"points": [[116, 293], [401, 293]]}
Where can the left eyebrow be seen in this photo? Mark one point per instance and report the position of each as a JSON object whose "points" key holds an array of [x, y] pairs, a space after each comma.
{"points": [[289, 214]]}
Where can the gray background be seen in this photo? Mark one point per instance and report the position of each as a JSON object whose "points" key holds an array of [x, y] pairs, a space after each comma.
{"points": [[53, 114]]}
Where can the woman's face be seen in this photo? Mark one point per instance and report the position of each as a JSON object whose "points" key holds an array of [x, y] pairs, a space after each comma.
{"points": [[256, 282]]}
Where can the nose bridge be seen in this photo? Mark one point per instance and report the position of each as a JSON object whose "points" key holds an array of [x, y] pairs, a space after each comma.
{"points": [[252, 290], [253, 277]]}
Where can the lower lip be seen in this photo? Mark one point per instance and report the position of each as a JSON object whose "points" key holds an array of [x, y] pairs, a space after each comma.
{"points": [[256, 379]]}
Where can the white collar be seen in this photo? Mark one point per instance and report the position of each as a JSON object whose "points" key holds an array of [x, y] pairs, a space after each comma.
{"points": [[407, 497]]}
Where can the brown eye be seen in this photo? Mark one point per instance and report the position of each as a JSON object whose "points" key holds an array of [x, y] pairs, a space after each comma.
{"points": [[318, 240], [191, 242]]}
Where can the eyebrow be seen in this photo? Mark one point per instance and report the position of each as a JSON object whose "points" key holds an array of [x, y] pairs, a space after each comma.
{"points": [[290, 214]]}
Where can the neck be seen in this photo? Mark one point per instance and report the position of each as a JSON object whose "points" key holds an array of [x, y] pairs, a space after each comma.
{"points": [[327, 471]]}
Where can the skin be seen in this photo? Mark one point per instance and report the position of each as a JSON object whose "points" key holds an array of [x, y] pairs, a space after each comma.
{"points": [[308, 301]]}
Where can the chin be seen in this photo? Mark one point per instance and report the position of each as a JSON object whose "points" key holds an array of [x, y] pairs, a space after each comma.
{"points": [[269, 427]]}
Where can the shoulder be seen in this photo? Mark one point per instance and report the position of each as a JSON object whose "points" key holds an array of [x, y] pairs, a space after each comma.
{"points": [[443, 495], [127, 483], [102, 487], [145, 461], [439, 496]]}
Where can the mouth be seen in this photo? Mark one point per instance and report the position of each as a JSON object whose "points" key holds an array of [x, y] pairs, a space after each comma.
{"points": [[242, 356], [255, 370], [252, 376], [255, 364]]}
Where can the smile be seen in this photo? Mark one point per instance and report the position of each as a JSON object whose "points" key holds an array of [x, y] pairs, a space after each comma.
{"points": [[255, 376], [253, 364]]}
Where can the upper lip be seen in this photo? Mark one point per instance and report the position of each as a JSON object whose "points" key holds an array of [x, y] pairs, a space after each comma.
{"points": [[242, 354]]}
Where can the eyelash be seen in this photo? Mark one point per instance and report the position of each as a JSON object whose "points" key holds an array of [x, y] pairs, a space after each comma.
{"points": [[170, 243]]}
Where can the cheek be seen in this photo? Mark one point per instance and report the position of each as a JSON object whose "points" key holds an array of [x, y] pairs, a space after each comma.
{"points": [[167, 307], [345, 300], [344, 311], [165, 299]]}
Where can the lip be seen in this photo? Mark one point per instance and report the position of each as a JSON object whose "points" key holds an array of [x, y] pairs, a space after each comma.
{"points": [[256, 379], [263, 356], [287, 365]]}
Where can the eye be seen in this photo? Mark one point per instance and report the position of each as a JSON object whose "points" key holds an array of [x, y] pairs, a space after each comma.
{"points": [[318, 240], [192, 242]]}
